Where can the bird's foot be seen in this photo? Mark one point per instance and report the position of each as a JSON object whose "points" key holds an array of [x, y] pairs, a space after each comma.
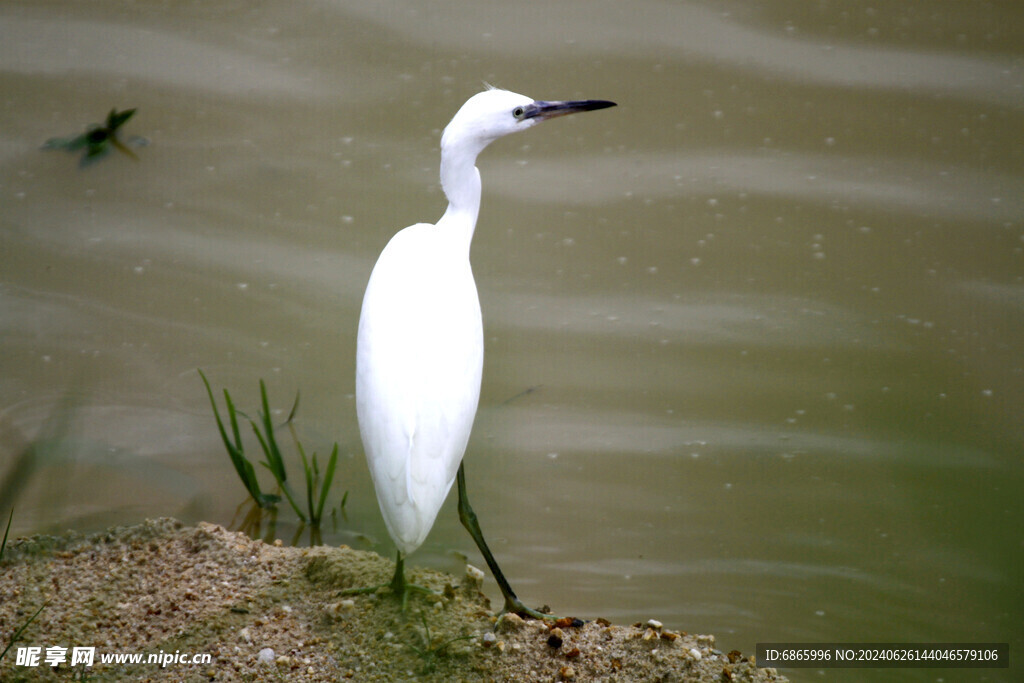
{"points": [[398, 586], [408, 588], [514, 605], [400, 592]]}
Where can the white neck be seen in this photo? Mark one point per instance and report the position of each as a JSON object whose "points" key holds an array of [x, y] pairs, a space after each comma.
{"points": [[460, 181]]}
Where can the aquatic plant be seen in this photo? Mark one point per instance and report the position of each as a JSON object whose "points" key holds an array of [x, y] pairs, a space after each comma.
{"points": [[317, 486], [99, 139]]}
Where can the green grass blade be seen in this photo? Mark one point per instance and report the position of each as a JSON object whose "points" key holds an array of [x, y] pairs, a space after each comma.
{"points": [[233, 417], [116, 119], [236, 451], [310, 477], [274, 460], [326, 484], [17, 634], [295, 408], [285, 489], [3, 545], [216, 413]]}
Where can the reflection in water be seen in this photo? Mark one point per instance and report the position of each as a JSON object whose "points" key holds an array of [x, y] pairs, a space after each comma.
{"points": [[772, 324]]}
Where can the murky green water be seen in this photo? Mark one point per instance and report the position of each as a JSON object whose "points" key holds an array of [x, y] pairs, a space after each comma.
{"points": [[770, 306]]}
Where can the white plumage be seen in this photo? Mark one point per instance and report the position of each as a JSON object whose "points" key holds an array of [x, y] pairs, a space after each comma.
{"points": [[420, 348], [418, 366]]}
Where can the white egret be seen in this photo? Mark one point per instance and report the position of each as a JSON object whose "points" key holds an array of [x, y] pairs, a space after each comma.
{"points": [[420, 348]]}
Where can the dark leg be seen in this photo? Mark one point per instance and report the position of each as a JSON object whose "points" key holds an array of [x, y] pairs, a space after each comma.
{"points": [[398, 580], [468, 519]]}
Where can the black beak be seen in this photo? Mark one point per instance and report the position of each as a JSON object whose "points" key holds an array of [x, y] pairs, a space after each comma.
{"points": [[549, 110]]}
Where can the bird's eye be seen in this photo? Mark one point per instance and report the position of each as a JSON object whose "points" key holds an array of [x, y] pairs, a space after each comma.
{"points": [[518, 112]]}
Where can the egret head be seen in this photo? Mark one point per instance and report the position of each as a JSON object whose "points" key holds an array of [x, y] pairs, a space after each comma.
{"points": [[494, 113]]}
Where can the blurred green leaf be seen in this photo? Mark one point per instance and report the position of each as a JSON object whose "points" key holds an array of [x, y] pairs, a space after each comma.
{"points": [[98, 139]]}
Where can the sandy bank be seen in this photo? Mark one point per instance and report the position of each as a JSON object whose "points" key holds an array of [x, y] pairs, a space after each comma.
{"points": [[272, 612]]}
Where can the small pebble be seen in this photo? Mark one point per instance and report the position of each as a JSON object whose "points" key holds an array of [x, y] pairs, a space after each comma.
{"points": [[266, 656], [655, 624], [568, 673], [695, 653], [488, 639], [556, 637], [509, 623], [337, 608]]}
